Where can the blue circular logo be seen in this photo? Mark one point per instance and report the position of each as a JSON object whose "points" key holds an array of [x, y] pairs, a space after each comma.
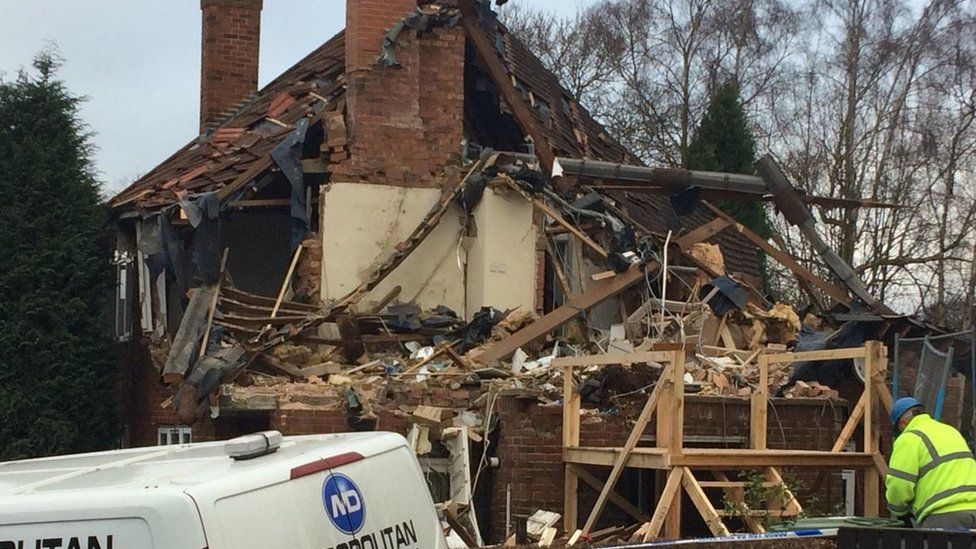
{"points": [[343, 503]]}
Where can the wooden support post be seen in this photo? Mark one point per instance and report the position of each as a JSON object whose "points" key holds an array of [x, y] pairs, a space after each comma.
{"points": [[708, 512], [677, 411], [621, 462], [571, 439], [872, 487], [760, 403], [669, 500]]}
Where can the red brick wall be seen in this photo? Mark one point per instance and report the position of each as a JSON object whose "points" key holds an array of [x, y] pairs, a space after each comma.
{"points": [[529, 447], [142, 411], [405, 122], [229, 56]]}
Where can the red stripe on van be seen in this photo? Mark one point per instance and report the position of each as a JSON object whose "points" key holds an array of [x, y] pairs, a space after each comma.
{"points": [[324, 464]]}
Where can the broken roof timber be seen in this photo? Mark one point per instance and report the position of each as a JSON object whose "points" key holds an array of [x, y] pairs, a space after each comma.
{"points": [[488, 56]]}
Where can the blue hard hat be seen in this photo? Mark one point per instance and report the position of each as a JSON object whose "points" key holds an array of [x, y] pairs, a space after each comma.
{"points": [[901, 406]]}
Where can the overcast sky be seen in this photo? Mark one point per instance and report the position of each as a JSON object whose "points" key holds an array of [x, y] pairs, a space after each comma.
{"points": [[138, 63]]}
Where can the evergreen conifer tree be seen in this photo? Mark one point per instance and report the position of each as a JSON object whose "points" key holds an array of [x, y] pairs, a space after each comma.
{"points": [[724, 143], [57, 361]]}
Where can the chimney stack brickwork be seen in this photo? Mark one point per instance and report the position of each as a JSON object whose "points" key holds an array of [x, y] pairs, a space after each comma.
{"points": [[406, 122], [229, 57]]}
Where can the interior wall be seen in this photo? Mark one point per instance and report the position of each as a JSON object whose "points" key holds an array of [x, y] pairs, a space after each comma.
{"points": [[362, 224], [502, 259]]}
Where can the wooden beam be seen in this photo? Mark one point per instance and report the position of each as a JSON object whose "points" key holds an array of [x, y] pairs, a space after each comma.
{"points": [[852, 422], [594, 295], [571, 439], [760, 405], [793, 506], [664, 504], [872, 488], [632, 440], [724, 459], [616, 358], [837, 293], [262, 203], [488, 57], [829, 354], [702, 233], [736, 492], [704, 506], [718, 458]]}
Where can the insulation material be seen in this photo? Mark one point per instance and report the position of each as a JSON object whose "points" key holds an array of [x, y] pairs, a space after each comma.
{"points": [[709, 254]]}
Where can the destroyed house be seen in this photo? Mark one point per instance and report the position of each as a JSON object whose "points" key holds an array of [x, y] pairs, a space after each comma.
{"points": [[342, 156], [402, 232]]}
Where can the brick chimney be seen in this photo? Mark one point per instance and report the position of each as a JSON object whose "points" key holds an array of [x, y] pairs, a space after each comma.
{"points": [[405, 122], [229, 64]]}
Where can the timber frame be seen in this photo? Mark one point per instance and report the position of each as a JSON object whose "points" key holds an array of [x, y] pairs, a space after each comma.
{"points": [[680, 465]]}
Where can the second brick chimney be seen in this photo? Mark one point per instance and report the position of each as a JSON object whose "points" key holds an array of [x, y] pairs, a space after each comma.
{"points": [[406, 122], [229, 57]]}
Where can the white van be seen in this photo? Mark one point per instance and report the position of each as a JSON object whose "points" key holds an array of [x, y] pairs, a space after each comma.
{"points": [[349, 491]]}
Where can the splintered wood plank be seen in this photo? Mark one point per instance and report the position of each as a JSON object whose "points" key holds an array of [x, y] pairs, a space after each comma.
{"points": [[708, 512], [664, 504], [632, 440], [594, 295]]}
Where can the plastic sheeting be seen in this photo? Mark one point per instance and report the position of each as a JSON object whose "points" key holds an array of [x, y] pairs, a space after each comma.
{"points": [[288, 156]]}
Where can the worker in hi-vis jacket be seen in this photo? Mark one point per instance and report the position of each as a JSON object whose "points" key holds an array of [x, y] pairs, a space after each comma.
{"points": [[932, 473]]}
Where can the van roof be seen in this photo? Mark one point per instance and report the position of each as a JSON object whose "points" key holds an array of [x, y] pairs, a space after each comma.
{"points": [[178, 466]]}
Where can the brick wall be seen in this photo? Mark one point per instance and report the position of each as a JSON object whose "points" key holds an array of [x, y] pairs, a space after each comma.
{"points": [[529, 446], [144, 414], [405, 122], [229, 56]]}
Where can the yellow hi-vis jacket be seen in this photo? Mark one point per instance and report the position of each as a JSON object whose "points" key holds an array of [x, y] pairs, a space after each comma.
{"points": [[931, 471]]}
